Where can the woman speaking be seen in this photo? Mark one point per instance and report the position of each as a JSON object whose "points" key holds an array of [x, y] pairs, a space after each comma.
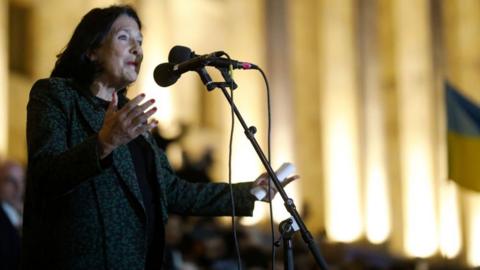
{"points": [[99, 189]]}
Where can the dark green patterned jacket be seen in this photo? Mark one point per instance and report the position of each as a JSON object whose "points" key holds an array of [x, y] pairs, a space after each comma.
{"points": [[80, 216]]}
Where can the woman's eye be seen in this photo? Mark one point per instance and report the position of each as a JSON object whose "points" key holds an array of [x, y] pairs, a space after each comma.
{"points": [[139, 42], [123, 37]]}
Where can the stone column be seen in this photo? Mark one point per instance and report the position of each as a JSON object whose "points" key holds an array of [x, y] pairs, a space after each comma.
{"points": [[3, 79], [304, 43], [414, 75], [339, 118], [375, 53]]}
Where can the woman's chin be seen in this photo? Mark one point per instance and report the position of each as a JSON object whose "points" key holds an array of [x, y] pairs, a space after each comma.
{"points": [[127, 80]]}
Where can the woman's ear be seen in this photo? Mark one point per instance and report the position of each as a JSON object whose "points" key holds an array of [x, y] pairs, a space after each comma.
{"points": [[92, 55]]}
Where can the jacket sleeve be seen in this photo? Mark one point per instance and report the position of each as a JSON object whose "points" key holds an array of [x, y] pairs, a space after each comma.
{"points": [[205, 199], [55, 168]]}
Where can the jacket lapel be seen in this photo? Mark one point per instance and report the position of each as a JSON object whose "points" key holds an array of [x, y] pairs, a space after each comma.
{"points": [[92, 114], [122, 160]]}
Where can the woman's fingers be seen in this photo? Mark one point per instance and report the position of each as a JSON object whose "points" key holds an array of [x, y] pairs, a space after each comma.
{"points": [[145, 105], [124, 125], [142, 118], [146, 127], [138, 110], [133, 113], [290, 179], [262, 180], [273, 188], [132, 104], [112, 106], [115, 99]]}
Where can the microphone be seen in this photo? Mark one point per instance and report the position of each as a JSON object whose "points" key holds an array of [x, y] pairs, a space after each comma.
{"points": [[182, 59], [179, 54], [185, 58]]}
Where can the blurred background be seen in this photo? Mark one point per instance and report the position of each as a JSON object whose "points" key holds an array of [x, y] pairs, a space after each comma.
{"points": [[357, 105]]}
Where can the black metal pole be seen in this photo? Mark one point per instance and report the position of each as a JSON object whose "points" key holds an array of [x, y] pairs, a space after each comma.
{"points": [[286, 230], [288, 202]]}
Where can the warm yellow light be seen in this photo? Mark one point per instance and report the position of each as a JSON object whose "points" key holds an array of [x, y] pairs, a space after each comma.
{"points": [[246, 167], [174, 153], [339, 121], [259, 213], [280, 213], [450, 235], [164, 104], [155, 52], [245, 164], [344, 221], [377, 206], [3, 79], [284, 153], [415, 77], [377, 211], [102, 3], [420, 220], [473, 220]]}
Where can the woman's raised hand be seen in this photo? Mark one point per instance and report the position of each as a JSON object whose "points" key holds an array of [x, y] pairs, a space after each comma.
{"points": [[122, 126]]}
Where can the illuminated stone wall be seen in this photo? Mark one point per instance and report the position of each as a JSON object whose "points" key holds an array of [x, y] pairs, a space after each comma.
{"points": [[3, 78], [356, 95]]}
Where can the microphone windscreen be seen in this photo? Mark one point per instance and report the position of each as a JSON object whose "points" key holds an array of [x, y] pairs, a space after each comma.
{"points": [[164, 75], [179, 54]]}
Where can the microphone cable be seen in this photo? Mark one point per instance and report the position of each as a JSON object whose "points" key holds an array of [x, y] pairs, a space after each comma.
{"points": [[269, 135], [269, 148], [230, 151]]}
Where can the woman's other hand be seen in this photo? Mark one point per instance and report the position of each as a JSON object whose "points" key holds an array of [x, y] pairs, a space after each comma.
{"points": [[262, 181]]}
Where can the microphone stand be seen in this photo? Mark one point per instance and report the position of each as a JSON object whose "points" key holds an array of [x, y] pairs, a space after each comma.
{"points": [[287, 230], [288, 202]]}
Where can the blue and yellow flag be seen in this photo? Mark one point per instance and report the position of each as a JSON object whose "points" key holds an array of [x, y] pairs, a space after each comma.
{"points": [[463, 117]]}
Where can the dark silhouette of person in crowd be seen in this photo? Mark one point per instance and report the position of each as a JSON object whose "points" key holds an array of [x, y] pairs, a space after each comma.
{"points": [[12, 182]]}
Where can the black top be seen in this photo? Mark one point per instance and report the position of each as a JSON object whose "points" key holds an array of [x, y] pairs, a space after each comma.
{"points": [[143, 161]]}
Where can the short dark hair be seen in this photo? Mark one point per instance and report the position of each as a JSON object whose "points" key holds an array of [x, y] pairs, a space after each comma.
{"points": [[89, 34]]}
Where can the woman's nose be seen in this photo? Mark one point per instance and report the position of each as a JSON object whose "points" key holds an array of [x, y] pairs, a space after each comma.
{"points": [[136, 48]]}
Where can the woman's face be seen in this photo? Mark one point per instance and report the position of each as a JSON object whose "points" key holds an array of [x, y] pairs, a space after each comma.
{"points": [[120, 54]]}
